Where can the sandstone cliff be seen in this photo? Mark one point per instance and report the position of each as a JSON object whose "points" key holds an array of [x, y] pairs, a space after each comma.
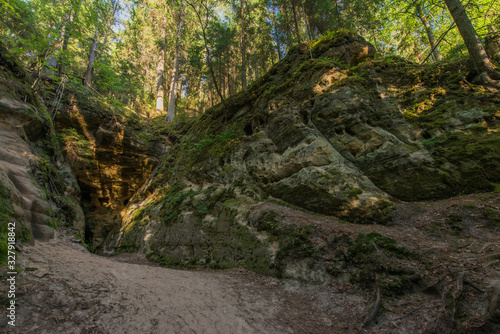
{"points": [[122, 153], [38, 190], [339, 168], [339, 134], [279, 178]]}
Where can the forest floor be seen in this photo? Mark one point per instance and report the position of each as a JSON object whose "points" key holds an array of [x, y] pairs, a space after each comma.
{"points": [[63, 288], [66, 289]]}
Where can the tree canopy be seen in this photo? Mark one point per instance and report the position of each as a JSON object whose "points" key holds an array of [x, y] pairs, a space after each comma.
{"points": [[195, 53]]}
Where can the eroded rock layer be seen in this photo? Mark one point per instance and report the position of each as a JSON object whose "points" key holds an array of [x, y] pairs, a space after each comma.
{"points": [[38, 190], [279, 178], [118, 163]]}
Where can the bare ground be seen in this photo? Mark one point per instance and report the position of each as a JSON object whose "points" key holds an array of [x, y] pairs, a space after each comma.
{"points": [[65, 289], [62, 288]]}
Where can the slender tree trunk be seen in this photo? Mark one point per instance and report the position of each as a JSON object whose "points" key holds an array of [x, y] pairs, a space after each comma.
{"points": [[160, 70], [89, 74], [221, 79], [288, 29], [207, 49], [65, 37], [338, 19], [201, 97], [308, 30], [278, 45], [93, 50], [428, 30], [296, 22], [175, 71], [470, 37], [243, 47], [67, 33]]}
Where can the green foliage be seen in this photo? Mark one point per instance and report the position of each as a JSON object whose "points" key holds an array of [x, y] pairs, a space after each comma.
{"points": [[165, 261], [78, 236], [53, 223], [492, 215], [477, 151], [454, 221], [41, 31], [138, 214], [172, 201], [76, 147], [216, 146], [331, 39], [367, 244]]}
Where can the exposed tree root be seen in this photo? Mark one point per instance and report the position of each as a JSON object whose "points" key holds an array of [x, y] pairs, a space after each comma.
{"points": [[487, 79], [458, 291], [493, 302], [473, 285], [375, 308]]}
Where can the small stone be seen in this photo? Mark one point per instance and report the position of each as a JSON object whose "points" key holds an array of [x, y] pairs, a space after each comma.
{"points": [[41, 273]]}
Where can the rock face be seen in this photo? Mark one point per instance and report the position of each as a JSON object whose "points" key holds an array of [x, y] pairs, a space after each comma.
{"points": [[314, 173], [119, 164], [296, 176], [38, 192], [340, 135], [493, 46], [45, 185]]}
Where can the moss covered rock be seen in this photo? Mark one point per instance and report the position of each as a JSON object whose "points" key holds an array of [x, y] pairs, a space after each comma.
{"points": [[344, 136]]}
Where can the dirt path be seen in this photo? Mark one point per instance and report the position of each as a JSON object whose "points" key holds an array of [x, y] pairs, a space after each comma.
{"points": [[65, 289]]}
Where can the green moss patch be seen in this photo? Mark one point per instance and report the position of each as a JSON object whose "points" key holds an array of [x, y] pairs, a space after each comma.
{"points": [[374, 254], [476, 153], [294, 241], [493, 215]]}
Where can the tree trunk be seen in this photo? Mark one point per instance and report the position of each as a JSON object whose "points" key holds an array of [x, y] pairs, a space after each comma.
{"points": [[338, 19], [93, 50], [243, 48], [201, 97], [160, 70], [175, 71], [276, 33], [67, 33], [90, 67], [294, 10], [309, 38], [428, 30], [288, 29], [470, 37], [207, 50]]}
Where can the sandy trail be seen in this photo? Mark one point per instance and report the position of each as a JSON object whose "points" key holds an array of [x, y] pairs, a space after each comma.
{"points": [[65, 289]]}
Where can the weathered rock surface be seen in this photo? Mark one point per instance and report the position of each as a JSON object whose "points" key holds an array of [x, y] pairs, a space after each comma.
{"points": [[493, 46], [305, 175], [350, 140], [120, 163], [34, 193], [319, 134]]}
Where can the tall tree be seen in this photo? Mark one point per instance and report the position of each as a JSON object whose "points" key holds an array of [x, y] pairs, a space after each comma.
{"points": [[471, 40], [243, 47], [175, 70], [73, 12], [203, 26], [160, 67], [429, 31], [109, 17]]}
